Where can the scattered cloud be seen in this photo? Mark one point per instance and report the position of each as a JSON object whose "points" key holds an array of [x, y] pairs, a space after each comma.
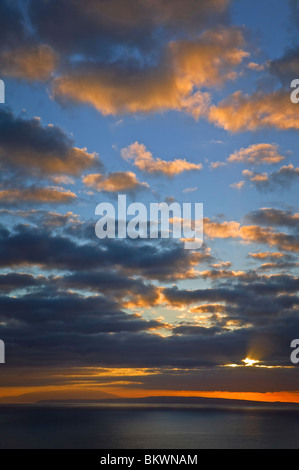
{"points": [[240, 185], [282, 178], [240, 113], [174, 84], [114, 182], [257, 154], [34, 63], [29, 147], [144, 161], [36, 195]]}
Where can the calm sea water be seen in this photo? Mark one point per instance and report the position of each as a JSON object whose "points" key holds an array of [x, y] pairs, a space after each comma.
{"points": [[91, 427]]}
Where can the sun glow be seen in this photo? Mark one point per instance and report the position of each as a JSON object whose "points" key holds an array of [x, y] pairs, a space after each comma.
{"points": [[250, 362]]}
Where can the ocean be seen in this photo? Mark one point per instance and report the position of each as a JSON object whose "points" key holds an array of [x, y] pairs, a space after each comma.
{"points": [[148, 427]]}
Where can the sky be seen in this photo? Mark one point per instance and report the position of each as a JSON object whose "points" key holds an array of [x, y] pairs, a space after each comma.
{"points": [[161, 101]]}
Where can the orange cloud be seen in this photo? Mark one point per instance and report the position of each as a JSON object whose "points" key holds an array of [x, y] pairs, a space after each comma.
{"points": [[30, 63], [114, 182], [283, 177], [216, 165], [173, 84], [40, 150], [39, 195], [256, 177], [145, 161], [257, 154], [240, 185], [208, 308], [250, 234], [221, 229], [256, 234], [256, 67], [73, 162], [221, 274], [266, 255], [240, 113]]}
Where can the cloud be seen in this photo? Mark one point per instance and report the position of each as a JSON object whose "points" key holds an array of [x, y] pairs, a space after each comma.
{"points": [[12, 29], [173, 84], [221, 274], [20, 55], [222, 264], [27, 146], [287, 67], [15, 281], [39, 245], [145, 161], [259, 179], [30, 62], [267, 256], [256, 67], [274, 217], [215, 229], [114, 182], [216, 165], [267, 236], [240, 185], [257, 154], [97, 27], [240, 113], [190, 190], [252, 234], [282, 178], [36, 195], [56, 325], [76, 315]]}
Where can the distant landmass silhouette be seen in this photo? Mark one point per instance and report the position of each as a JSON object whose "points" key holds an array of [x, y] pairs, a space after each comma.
{"points": [[34, 397], [163, 401]]}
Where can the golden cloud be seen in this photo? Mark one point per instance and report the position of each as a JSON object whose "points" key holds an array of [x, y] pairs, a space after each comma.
{"points": [[221, 274], [40, 150], [251, 234], [172, 85], [73, 162], [266, 255], [38, 195], [240, 112], [114, 182], [144, 161], [257, 154], [30, 63], [221, 229]]}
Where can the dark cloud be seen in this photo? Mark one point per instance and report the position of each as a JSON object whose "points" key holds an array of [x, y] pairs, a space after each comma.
{"points": [[37, 195], [280, 179], [21, 56], [76, 317], [255, 300], [31, 148], [274, 218], [286, 68], [15, 281], [96, 28], [31, 154], [32, 246], [12, 28], [72, 331]]}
